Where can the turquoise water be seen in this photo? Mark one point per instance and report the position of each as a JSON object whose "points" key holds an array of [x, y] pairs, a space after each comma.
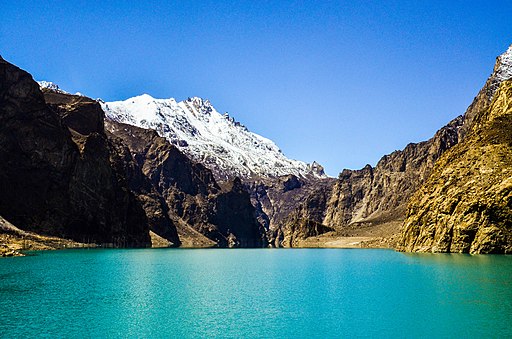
{"points": [[255, 293]]}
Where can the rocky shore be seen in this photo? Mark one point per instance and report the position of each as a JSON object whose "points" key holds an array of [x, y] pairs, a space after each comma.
{"points": [[13, 241]]}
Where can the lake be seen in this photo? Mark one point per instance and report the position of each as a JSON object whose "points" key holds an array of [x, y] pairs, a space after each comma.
{"points": [[255, 293]]}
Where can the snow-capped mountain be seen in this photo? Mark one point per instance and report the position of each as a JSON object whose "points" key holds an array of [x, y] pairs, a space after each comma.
{"points": [[54, 87], [502, 71], [216, 140]]}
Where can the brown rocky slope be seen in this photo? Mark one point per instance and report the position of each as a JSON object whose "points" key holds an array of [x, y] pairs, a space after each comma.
{"points": [[198, 206], [466, 204], [376, 198], [56, 181], [63, 174]]}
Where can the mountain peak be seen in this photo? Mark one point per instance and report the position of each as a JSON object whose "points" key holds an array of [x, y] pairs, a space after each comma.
{"points": [[216, 140], [51, 86], [316, 169], [504, 65], [199, 101], [502, 71], [143, 99], [201, 105]]}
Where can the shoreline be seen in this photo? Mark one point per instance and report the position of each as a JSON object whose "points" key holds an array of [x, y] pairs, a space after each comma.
{"points": [[15, 250], [14, 241]]}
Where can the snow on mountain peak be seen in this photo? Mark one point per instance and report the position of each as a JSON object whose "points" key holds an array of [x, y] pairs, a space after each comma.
{"points": [[216, 140], [502, 71], [52, 86]]}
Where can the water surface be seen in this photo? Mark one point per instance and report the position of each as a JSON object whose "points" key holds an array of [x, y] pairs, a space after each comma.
{"points": [[256, 293]]}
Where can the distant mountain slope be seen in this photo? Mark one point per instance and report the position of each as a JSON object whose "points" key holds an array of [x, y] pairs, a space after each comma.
{"points": [[218, 141]]}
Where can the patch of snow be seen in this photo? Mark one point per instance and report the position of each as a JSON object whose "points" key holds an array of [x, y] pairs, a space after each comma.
{"points": [[52, 86], [502, 71], [216, 140]]}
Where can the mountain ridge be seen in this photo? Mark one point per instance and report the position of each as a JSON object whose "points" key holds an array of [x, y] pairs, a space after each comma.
{"points": [[298, 202], [217, 140]]}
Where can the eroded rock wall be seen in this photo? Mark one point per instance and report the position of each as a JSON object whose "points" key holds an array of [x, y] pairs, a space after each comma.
{"points": [[57, 179], [195, 202], [466, 204]]}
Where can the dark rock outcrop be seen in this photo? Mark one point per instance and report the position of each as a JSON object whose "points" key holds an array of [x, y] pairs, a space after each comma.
{"points": [[290, 208], [306, 220], [59, 181], [380, 194], [235, 216], [196, 203]]}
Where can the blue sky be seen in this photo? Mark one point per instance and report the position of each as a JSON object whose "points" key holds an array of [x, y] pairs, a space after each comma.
{"points": [[339, 82]]}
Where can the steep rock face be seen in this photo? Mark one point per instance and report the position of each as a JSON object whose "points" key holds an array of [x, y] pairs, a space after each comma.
{"points": [[290, 208], [306, 220], [78, 113], [152, 202], [380, 194], [466, 204], [85, 119], [37, 155], [190, 192], [235, 216], [57, 181]]}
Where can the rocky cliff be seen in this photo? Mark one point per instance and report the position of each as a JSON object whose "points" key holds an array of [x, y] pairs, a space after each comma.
{"points": [[380, 194], [290, 208], [466, 204], [204, 213], [63, 174], [59, 179]]}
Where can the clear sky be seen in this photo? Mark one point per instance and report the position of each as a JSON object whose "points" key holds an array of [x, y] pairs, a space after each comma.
{"points": [[339, 82]]}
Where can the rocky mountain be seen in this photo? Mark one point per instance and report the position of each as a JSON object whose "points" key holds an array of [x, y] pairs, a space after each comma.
{"points": [[84, 116], [466, 204], [197, 178], [204, 213], [57, 173], [293, 205], [215, 140], [379, 195], [67, 172], [231, 151]]}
